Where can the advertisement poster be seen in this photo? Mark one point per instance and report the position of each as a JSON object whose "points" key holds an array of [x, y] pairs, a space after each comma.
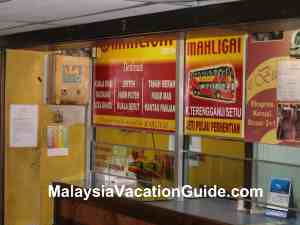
{"points": [[134, 83], [214, 86], [273, 103]]}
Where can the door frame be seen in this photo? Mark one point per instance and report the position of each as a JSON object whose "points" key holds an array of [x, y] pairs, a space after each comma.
{"points": [[2, 133]]}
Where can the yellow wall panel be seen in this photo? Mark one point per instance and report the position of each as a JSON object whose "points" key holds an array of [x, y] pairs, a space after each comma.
{"points": [[22, 178], [61, 168], [29, 171]]}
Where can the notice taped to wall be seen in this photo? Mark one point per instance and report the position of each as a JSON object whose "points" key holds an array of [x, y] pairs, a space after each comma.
{"points": [[288, 80], [68, 80], [23, 126]]}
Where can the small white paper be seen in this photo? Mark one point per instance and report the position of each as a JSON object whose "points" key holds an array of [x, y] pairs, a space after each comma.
{"points": [[288, 76], [58, 152], [196, 144], [171, 142], [196, 147], [23, 126]]}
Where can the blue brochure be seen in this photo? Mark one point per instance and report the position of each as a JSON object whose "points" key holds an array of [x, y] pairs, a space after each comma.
{"points": [[279, 197]]}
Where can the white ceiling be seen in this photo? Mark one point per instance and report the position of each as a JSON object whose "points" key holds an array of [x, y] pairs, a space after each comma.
{"points": [[26, 15]]}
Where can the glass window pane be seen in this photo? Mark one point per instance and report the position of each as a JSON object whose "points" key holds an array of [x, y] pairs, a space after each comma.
{"points": [[216, 162], [278, 162], [145, 158]]}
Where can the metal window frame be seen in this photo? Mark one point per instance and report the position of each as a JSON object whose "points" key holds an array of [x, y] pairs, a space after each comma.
{"points": [[179, 135]]}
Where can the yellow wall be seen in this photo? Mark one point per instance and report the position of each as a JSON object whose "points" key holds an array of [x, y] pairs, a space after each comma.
{"points": [[29, 171]]}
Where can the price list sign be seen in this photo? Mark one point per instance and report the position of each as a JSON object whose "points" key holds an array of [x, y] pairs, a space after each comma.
{"points": [[134, 83]]}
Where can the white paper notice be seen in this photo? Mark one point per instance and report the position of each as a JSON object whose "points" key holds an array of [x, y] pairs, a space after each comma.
{"points": [[196, 144], [288, 83], [23, 126], [58, 152]]}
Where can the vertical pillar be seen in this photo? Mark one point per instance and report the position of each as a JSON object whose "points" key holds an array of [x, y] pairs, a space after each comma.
{"points": [[248, 170], [2, 133], [90, 130], [179, 139]]}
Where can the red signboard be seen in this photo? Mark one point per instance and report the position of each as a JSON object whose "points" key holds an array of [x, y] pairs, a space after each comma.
{"points": [[134, 83], [214, 86], [273, 103]]}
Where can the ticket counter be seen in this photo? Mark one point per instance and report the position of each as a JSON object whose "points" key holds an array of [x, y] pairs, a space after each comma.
{"points": [[116, 211]]}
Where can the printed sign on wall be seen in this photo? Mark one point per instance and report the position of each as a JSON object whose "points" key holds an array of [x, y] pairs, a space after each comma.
{"points": [[58, 140], [68, 80], [134, 84], [214, 86], [273, 104]]}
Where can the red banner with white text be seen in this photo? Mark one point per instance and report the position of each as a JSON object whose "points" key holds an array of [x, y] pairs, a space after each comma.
{"points": [[134, 83]]}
